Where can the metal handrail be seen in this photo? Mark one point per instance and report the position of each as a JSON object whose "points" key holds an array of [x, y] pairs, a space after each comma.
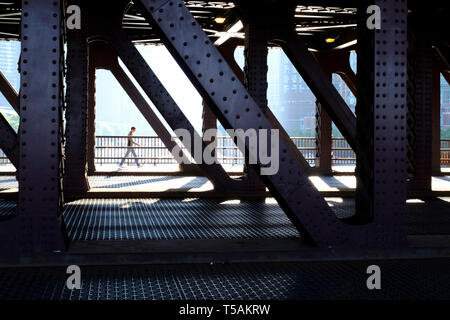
{"points": [[110, 150]]}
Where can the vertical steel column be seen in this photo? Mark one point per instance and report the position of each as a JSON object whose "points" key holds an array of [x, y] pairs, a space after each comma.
{"points": [[381, 122], [209, 118], [255, 74], [209, 122], [411, 103], [75, 179], [436, 117], [91, 113], [323, 160], [255, 69], [227, 50], [40, 131], [423, 56]]}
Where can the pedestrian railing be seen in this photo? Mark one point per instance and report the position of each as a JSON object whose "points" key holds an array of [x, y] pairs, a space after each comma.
{"points": [[111, 149], [445, 152], [341, 152], [3, 158]]}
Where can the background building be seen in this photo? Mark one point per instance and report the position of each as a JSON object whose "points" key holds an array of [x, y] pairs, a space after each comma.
{"points": [[289, 97], [445, 109], [10, 53]]}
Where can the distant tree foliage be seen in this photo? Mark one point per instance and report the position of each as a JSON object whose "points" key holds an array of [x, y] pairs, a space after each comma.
{"points": [[297, 132], [445, 134], [13, 120]]}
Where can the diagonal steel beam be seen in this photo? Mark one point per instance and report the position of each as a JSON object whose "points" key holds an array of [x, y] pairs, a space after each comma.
{"points": [[319, 83], [443, 54], [168, 108], [90, 139], [436, 115], [145, 109], [9, 92], [8, 141], [233, 105], [104, 26], [349, 78], [338, 61], [279, 25], [103, 57], [227, 51], [111, 63], [446, 75]]}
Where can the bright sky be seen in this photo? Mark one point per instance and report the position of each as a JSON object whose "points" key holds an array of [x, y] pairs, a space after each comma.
{"points": [[110, 97], [175, 81]]}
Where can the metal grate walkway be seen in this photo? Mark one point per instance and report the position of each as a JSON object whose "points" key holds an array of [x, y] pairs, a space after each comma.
{"points": [[401, 279], [158, 219], [7, 208], [132, 219]]}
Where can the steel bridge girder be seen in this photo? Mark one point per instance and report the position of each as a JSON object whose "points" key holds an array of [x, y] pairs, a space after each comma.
{"points": [[235, 108]]}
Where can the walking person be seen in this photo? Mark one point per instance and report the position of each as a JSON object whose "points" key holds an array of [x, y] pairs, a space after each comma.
{"points": [[130, 149]]}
